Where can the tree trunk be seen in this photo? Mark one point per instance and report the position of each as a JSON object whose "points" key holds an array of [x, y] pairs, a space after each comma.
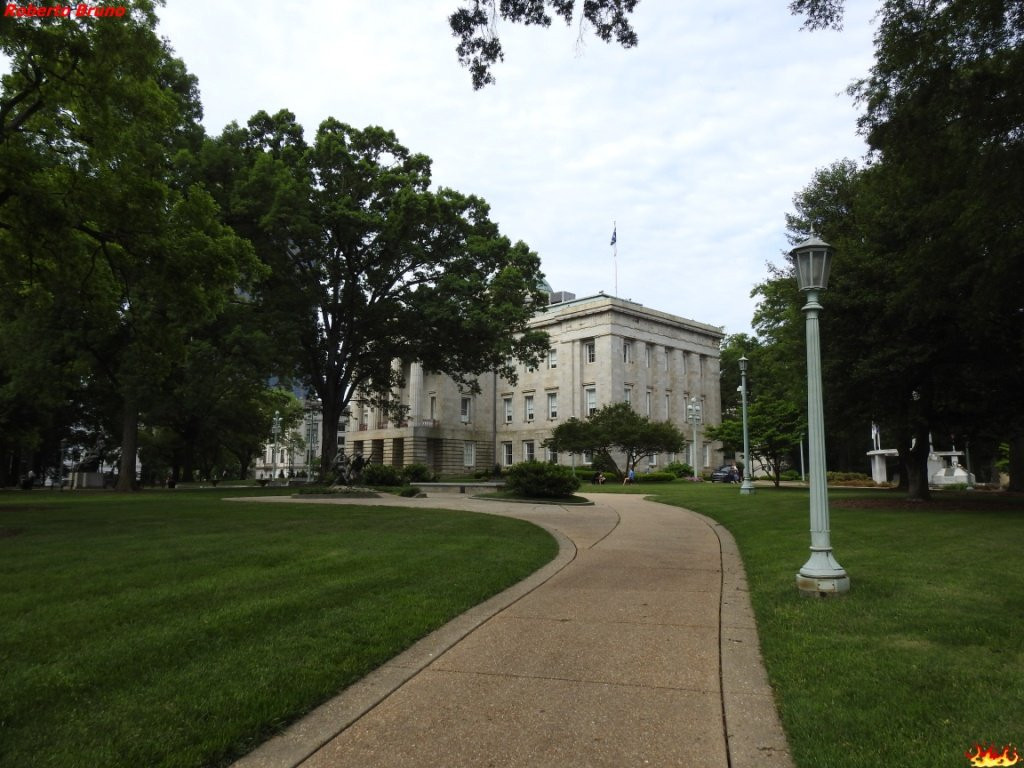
{"points": [[1017, 463], [129, 447], [903, 467], [331, 412], [917, 469], [244, 460]]}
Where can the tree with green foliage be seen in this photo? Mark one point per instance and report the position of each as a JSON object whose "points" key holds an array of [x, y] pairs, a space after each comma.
{"points": [[923, 326], [479, 47], [218, 408], [110, 258], [776, 428], [775, 404], [616, 427], [946, 84], [370, 265]]}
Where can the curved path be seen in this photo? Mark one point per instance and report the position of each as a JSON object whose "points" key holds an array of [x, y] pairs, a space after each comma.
{"points": [[636, 646]]}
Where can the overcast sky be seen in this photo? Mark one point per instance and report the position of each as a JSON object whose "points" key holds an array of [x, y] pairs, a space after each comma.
{"points": [[693, 143]]}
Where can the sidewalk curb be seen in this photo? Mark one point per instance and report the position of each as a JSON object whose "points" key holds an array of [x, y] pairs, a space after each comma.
{"points": [[753, 730]]}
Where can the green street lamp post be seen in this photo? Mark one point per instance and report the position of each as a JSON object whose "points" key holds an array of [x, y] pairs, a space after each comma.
{"points": [[276, 430], [747, 487], [693, 414], [821, 575], [312, 432]]}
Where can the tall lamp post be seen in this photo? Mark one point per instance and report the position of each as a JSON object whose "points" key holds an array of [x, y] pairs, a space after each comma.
{"points": [[275, 430], [311, 436], [821, 575], [748, 483], [693, 414]]}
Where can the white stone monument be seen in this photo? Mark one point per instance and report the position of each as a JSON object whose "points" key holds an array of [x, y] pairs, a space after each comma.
{"points": [[878, 456]]}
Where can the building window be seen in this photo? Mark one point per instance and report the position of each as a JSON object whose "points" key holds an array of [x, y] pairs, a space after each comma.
{"points": [[507, 401], [506, 454], [627, 395], [652, 460], [707, 454], [590, 400], [464, 409], [588, 457], [552, 358], [552, 456], [469, 453], [627, 351], [433, 407], [528, 454], [552, 405], [668, 406], [589, 352], [528, 407], [648, 352], [647, 403]]}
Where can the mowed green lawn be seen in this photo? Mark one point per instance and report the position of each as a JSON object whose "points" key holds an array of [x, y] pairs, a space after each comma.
{"points": [[923, 658], [178, 629]]}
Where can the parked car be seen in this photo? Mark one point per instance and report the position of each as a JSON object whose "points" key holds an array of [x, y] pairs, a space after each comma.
{"points": [[725, 474]]}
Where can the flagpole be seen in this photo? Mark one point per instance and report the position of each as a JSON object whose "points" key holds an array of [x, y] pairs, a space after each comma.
{"points": [[615, 254]]}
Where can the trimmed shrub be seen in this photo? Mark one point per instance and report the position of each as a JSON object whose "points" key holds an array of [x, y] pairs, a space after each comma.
{"points": [[839, 477], [409, 491], [656, 477], [679, 469], [417, 473], [381, 474], [541, 480]]}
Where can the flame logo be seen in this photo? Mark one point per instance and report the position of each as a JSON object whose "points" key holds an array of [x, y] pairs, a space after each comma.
{"points": [[990, 758]]}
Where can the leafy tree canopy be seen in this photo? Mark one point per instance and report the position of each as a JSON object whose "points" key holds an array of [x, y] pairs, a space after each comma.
{"points": [[928, 236], [369, 264], [616, 427], [776, 402], [475, 24], [112, 261]]}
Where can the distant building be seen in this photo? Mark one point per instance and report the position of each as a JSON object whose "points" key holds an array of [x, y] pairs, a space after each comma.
{"points": [[297, 452], [603, 350]]}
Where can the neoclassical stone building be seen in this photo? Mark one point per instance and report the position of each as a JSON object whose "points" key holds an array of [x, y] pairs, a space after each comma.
{"points": [[603, 350]]}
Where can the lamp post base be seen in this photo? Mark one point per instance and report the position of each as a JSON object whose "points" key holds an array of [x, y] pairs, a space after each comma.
{"points": [[822, 586], [747, 488]]}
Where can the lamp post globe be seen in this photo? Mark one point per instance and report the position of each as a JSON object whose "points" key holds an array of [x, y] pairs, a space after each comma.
{"points": [[747, 487], [821, 575]]}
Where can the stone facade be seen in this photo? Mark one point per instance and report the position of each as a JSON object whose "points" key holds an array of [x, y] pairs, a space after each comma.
{"points": [[603, 350]]}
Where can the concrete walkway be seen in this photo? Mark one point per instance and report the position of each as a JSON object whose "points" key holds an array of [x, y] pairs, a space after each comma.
{"points": [[635, 647]]}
